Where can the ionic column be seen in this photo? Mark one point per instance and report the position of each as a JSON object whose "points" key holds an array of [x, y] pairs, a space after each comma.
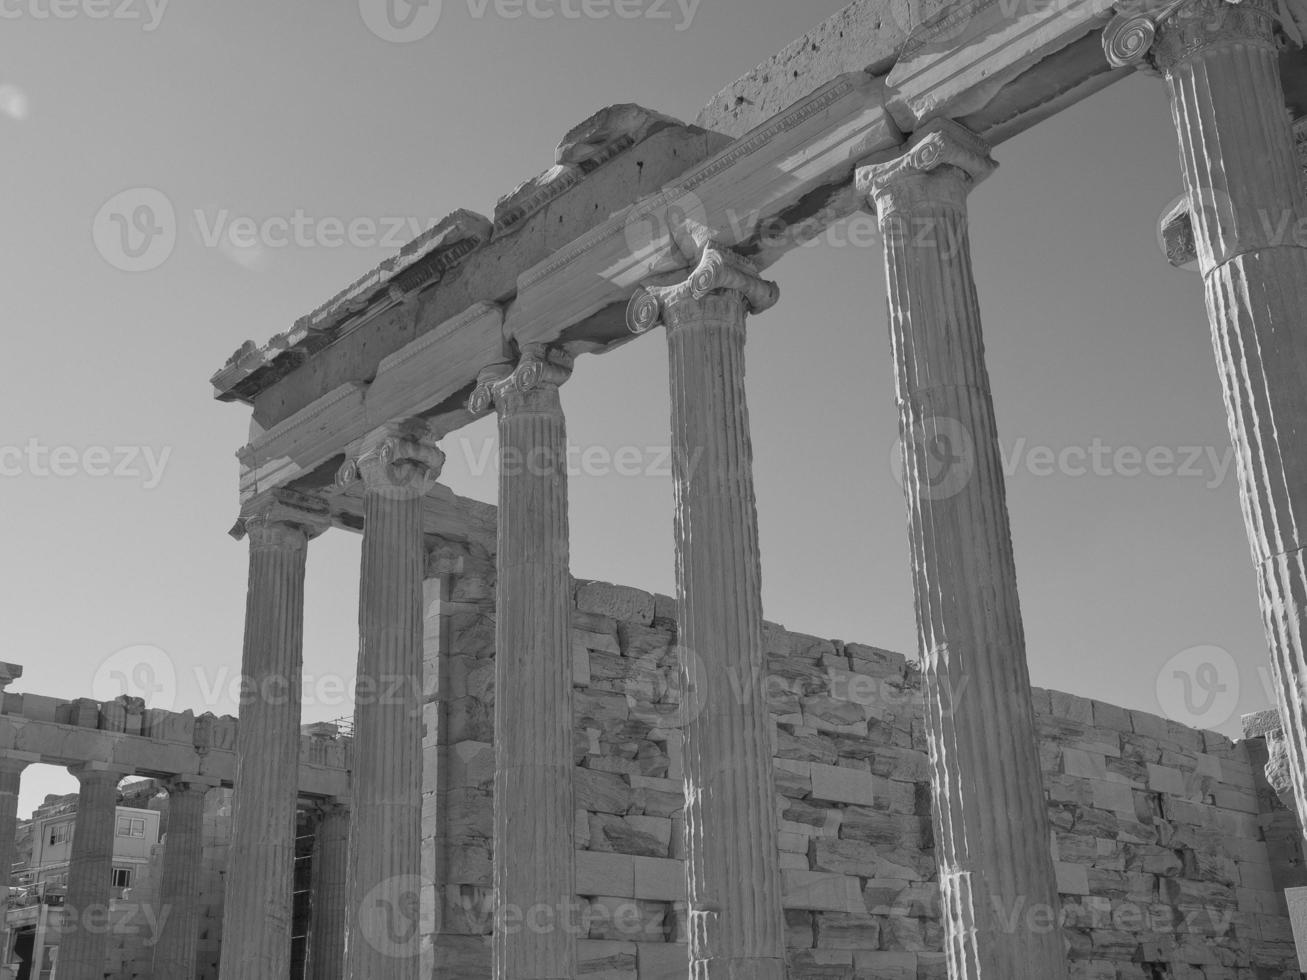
{"points": [[736, 921], [11, 778], [992, 832], [398, 466], [84, 944], [534, 867], [257, 910], [1247, 207], [183, 853], [330, 893]]}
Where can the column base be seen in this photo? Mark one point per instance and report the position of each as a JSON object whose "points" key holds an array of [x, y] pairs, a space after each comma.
{"points": [[768, 968]]}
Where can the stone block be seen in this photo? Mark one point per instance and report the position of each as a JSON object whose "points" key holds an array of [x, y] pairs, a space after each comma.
{"points": [[665, 610], [624, 919], [601, 792], [847, 930], [801, 746], [638, 835], [878, 827], [793, 779], [1086, 765], [1072, 879], [663, 961], [658, 879], [599, 959], [876, 662], [580, 666], [826, 714], [1071, 708], [1153, 726], [839, 784], [652, 644], [847, 857], [618, 601], [1113, 797], [820, 891], [799, 817], [1111, 717], [598, 873]]}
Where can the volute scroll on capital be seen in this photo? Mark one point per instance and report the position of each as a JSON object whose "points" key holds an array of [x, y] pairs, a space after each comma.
{"points": [[283, 518], [719, 270], [540, 367], [400, 458], [945, 149], [1155, 36]]}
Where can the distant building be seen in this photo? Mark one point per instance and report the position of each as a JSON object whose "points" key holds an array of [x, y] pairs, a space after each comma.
{"points": [[35, 917]]}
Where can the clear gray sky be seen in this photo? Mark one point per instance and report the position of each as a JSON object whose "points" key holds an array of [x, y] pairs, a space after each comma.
{"points": [[249, 110]]}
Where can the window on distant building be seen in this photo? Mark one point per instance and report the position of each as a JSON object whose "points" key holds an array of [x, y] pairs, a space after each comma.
{"points": [[61, 833], [122, 878], [131, 827]]}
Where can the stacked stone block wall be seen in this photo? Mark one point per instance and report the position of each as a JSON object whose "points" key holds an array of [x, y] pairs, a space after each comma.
{"points": [[1164, 836]]}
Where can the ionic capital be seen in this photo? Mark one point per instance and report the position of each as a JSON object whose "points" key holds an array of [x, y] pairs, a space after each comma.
{"points": [[720, 273], [98, 773], [185, 785], [541, 369], [941, 163], [399, 460], [283, 519], [1157, 34]]}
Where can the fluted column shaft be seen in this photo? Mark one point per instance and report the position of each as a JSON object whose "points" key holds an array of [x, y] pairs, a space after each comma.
{"points": [[1247, 206], [330, 894], [183, 853], [382, 938], [84, 945], [257, 909], [534, 866], [11, 778], [992, 833], [11, 782], [736, 922]]}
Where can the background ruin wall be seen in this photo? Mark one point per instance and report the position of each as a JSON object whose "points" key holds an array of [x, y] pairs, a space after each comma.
{"points": [[1172, 850]]}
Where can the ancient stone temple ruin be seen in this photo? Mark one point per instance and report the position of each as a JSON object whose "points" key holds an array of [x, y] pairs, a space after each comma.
{"points": [[550, 778]]}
